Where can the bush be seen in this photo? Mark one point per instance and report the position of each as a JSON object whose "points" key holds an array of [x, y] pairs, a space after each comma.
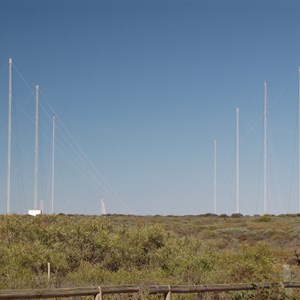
{"points": [[88, 250]]}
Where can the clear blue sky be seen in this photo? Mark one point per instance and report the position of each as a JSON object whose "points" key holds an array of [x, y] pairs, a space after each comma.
{"points": [[141, 89]]}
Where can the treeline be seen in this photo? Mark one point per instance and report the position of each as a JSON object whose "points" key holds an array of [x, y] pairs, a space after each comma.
{"points": [[90, 251]]}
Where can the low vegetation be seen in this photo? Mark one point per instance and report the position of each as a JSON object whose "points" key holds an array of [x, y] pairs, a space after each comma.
{"points": [[119, 249]]}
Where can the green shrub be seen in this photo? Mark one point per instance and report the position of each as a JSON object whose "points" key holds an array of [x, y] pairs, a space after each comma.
{"points": [[90, 250]]}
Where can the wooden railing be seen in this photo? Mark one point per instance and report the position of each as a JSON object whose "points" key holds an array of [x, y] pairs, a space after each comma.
{"points": [[166, 290]]}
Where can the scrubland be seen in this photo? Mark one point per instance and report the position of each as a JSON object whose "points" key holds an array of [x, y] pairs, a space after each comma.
{"points": [[169, 250]]}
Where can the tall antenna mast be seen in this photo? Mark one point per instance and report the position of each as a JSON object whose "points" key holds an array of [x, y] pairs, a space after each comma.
{"points": [[9, 134], [53, 157], [215, 176], [237, 160], [299, 142], [265, 148], [36, 146]]}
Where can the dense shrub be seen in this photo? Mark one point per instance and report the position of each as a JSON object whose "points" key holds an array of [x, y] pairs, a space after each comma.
{"points": [[86, 250]]}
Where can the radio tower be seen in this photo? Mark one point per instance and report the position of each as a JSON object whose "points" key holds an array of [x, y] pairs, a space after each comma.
{"points": [[237, 160], [9, 135], [265, 150], [53, 165], [36, 161], [215, 177]]}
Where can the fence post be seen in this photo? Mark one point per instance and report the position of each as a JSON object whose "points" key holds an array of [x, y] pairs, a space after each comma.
{"points": [[99, 296], [169, 294], [49, 271], [287, 277]]}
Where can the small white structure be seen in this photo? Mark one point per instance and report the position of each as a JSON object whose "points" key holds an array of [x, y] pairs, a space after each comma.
{"points": [[34, 212]]}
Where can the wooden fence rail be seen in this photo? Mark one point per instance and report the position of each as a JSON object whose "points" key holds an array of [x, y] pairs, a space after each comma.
{"points": [[129, 289]]}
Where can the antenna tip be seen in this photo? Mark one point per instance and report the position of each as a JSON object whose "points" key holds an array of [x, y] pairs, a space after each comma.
{"points": [[10, 60]]}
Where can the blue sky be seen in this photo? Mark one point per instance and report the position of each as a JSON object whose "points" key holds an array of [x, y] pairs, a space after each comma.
{"points": [[140, 90]]}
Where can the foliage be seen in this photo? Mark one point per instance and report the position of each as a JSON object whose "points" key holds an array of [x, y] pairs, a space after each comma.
{"points": [[91, 250]]}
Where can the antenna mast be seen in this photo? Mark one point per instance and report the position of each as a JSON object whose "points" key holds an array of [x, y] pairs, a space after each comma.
{"points": [[9, 134], [36, 145], [237, 160], [215, 176], [299, 143], [265, 147], [53, 165]]}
